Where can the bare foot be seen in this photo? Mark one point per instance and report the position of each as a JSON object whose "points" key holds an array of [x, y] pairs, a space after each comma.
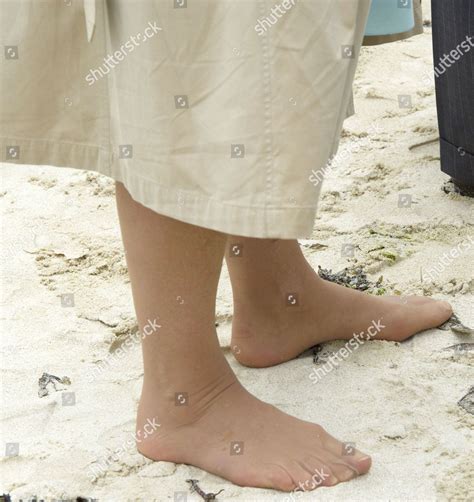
{"points": [[192, 409], [229, 432], [294, 318]]}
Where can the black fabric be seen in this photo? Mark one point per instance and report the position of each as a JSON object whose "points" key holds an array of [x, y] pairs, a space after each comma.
{"points": [[453, 23]]}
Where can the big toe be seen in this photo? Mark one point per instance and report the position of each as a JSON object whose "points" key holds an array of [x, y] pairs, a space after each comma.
{"points": [[347, 453], [414, 315], [436, 312]]}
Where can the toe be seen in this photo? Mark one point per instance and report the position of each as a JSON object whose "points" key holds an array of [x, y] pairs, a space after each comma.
{"points": [[279, 477], [445, 310], [345, 453], [312, 474], [362, 462], [415, 315], [320, 472], [358, 460], [342, 470], [437, 312]]}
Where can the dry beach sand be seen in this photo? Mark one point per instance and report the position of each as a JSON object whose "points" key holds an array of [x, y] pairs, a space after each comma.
{"points": [[67, 310]]}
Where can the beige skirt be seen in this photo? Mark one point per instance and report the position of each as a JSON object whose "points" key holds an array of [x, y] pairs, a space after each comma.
{"points": [[217, 113]]}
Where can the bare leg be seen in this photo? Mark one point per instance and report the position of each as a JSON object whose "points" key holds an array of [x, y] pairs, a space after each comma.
{"points": [[269, 329], [206, 417]]}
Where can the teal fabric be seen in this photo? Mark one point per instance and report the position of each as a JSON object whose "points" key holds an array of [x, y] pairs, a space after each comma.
{"points": [[388, 17]]}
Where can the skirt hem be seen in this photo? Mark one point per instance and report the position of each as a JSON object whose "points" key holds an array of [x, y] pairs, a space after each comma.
{"points": [[284, 222]]}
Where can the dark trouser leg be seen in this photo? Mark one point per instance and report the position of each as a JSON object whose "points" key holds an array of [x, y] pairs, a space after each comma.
{"points": [[453, 45]]}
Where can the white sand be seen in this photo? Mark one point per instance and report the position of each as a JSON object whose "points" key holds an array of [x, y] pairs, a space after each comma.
{"points": [[397, 402]]}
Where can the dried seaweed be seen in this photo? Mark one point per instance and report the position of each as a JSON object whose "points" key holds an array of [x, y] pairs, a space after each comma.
{"points": [[462, 330], [51, 380], [454, 324], [467, 402], [205, 496], [7, 498], [316, 350], [311, 244], [354, 278], [423, 143], [461, 347]]}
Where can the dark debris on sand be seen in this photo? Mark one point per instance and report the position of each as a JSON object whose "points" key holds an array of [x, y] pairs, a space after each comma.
{"points": [[52, 381], [454, 324], [449, 187], [316, 353], [205, 496], [7, 498], [467, 402], [354, 278], [461, 347]]}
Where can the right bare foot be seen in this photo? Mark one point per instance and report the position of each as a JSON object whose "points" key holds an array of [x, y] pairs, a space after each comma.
{"points": [[233, 434]]}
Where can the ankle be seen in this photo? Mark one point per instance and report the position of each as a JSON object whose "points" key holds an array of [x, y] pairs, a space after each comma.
{"points": [[275, 299], [177, 405], [178, 417]]}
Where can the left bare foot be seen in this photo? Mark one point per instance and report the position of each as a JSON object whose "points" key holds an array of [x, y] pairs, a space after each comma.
{"points": [[288, 312]]}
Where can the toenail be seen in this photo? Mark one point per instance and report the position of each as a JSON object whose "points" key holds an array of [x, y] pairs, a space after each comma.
{"points": [[363, 462]]}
